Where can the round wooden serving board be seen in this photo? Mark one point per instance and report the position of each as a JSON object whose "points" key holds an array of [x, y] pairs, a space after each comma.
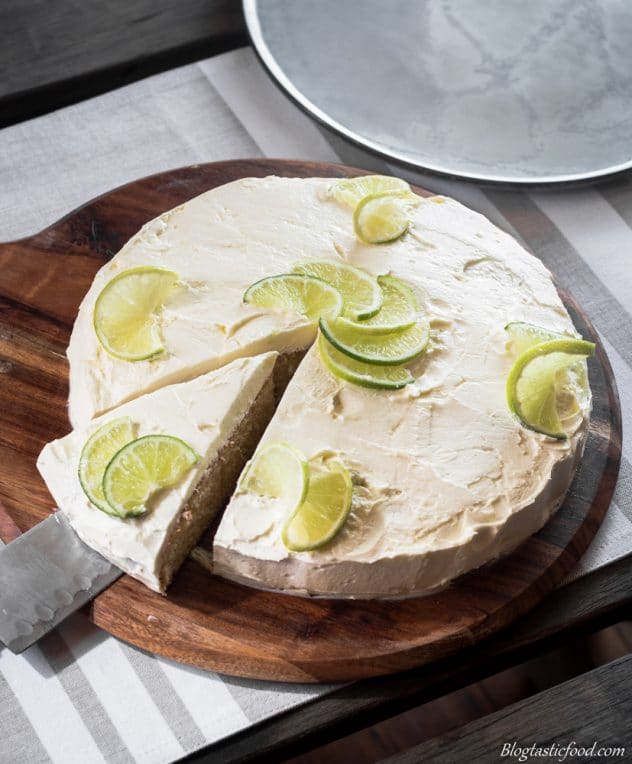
{"points": [[205, 620]]}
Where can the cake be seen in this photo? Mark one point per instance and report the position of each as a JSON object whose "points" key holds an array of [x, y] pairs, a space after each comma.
{"points": [[445, 477], [220, 415]]}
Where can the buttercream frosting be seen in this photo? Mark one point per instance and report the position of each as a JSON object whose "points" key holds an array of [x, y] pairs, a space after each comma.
{"points": [[445, 478], [203, 413]]}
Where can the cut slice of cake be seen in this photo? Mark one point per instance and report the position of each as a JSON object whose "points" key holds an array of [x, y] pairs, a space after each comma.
{"points": [[215, 420]]}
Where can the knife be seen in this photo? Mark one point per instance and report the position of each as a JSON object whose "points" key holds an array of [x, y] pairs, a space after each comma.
{"points": [[45, 575]]}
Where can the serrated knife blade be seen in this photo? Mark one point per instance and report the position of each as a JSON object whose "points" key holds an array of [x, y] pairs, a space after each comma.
{"points": [[45, 575]]}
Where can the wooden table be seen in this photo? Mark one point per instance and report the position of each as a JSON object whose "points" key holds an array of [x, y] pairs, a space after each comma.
{"points": [[554, 717], [56, 53], [584, 606]]}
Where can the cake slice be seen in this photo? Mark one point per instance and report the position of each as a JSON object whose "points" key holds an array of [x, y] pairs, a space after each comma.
{"points": [[218, 417]]}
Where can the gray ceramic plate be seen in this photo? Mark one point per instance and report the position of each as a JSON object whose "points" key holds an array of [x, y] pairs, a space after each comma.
{"points": [[502, 90]]}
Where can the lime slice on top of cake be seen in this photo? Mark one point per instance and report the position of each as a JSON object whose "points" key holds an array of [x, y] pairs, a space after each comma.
{"points": [[524, 336], [360, 291], [305, 295], [125, 312], [102, 445], [361, 373], [277, 471], [350, 191], [382, 218], [536, 389], [142, 468], [399, 310], [381, 349], [323, 512]]}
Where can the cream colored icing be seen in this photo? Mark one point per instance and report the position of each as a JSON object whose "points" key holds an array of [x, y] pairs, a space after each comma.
{"points": [[445, 478], [219, 243], [203, 413]]}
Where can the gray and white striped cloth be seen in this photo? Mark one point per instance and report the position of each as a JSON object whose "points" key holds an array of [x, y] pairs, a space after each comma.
{"points": [[83, 696]]}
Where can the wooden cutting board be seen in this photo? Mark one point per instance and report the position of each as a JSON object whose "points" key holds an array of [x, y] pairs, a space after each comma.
{"points": [[204, 620]]}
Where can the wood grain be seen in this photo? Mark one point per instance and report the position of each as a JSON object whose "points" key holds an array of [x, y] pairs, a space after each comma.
{"points": [[213, 623], [592, 708], [444, 714], [57, 53], [591, 603]]}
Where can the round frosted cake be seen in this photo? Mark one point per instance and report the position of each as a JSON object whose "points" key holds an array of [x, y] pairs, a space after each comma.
{"points": [[444, 476]]}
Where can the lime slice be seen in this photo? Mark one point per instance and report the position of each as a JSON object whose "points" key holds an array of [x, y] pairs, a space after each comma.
{"points": [[292, 293], [96, 455], [536, 385], [143, 467], [399, 309], [279, 471], [360, 373], [126, 310], [571, 385], [322, 514], [525, 336], [381, 218], [383, 349], [361, 294], [350, 191]]}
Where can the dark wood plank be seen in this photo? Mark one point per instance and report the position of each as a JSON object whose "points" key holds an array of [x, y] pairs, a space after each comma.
{"points": [[57, 53], [591, 603], [593, 708], [456, 709], [211, 622]]}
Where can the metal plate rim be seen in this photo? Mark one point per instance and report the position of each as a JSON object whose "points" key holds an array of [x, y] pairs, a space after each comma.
{"points": [[273, 68]]}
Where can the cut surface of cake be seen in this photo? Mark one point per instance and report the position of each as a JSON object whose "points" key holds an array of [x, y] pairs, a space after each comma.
{"points": [[445, 475], [219, 416]]}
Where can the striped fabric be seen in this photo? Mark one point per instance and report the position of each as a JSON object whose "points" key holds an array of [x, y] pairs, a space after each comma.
{"points": [[82, 696]]}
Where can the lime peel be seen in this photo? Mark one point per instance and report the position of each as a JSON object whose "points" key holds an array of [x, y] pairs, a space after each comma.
{"points": [[319, 518], [382, 218], [361, 293], [399, 310], [304, 294], [391, 349], [96, 454], [361, 373], [142, 468], [124, 316], [531, 390]]}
